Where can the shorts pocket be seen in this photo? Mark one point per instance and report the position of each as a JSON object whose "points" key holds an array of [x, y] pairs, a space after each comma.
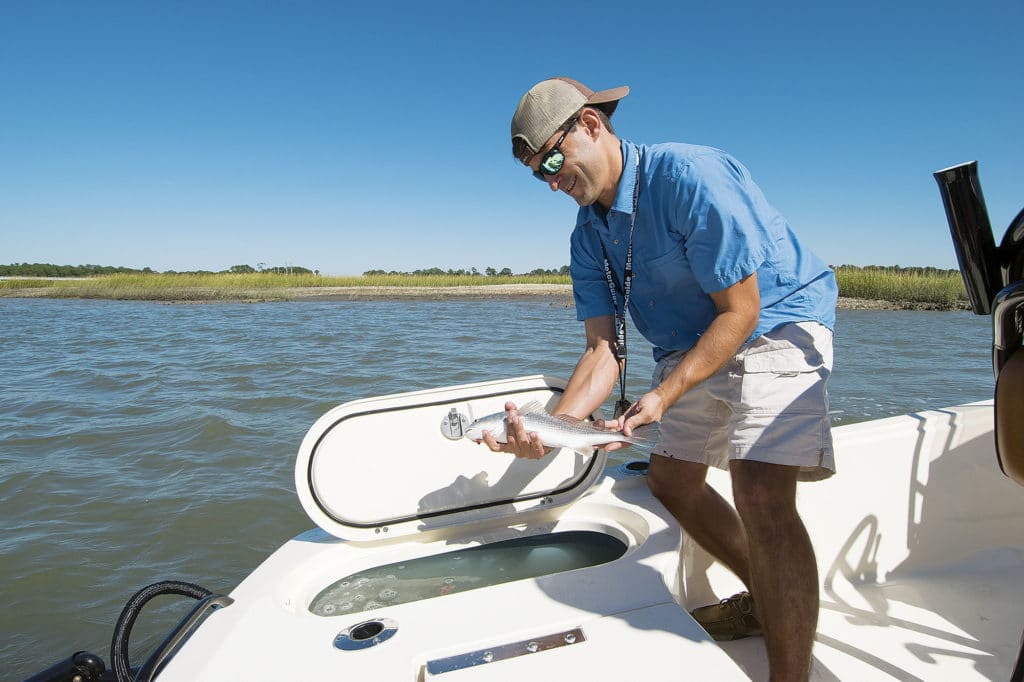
{"points": [[781, 358], [786, 371], [778, 377]]}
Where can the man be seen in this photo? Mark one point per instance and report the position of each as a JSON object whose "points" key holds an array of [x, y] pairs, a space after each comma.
{"points": [[740, 315]]}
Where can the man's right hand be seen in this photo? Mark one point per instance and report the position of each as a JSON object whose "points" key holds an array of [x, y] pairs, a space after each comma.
{"points": [[519, 442]]}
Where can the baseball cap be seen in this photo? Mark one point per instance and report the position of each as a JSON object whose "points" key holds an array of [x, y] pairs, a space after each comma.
{"points": [[550, 103]]}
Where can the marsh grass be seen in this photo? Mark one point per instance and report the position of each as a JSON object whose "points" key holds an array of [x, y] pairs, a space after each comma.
{"points": [[940, 287], [943, 288], [261, 286]]}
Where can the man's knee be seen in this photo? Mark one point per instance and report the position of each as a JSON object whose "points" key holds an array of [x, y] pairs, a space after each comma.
{"points": [[675, 479], [764, 493]]}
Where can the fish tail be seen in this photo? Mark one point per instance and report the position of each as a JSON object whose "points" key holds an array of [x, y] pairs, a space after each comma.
{"points": [[641, 439]]}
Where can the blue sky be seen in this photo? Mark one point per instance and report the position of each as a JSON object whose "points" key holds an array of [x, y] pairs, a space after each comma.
{"points": [[346, 137]]}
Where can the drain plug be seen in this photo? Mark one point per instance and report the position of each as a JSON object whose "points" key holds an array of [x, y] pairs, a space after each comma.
{"points": [[367, 634]]}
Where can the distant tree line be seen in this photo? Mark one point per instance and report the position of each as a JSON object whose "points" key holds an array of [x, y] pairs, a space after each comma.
{"points": [[488, 272], [50, 270], [277, 269]]}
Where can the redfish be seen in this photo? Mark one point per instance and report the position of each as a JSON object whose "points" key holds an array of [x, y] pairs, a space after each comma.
{"points": [[554, 431]]}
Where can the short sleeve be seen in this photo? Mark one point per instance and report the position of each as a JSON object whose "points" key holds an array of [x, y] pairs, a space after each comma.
{"points": [[727, 218]]}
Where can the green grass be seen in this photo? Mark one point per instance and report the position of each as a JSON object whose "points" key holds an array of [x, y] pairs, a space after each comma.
{"points": [[937, 287], [942, 287], [247, 287]]}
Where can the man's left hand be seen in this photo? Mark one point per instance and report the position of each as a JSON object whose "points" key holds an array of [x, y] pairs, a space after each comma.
{"points": [[647, 410]]}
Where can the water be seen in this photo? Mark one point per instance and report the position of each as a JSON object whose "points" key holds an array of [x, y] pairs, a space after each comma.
{"points": [[466, 569], [141, 441]]}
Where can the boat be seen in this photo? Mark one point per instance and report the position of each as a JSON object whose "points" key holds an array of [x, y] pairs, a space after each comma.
{"points": [[432, 558]]}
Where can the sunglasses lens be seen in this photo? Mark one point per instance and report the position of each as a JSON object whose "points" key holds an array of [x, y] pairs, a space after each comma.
{"points": [[549, 165], [552, 162]]}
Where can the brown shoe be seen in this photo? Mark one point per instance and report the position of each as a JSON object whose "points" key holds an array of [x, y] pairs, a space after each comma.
{"points": [[729, 619]]}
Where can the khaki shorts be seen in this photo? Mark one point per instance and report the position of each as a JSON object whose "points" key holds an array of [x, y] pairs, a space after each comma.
{"points": [[769, 403]]}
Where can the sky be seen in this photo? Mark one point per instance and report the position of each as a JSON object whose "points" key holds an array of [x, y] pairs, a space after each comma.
{"points": [[351, 136]]}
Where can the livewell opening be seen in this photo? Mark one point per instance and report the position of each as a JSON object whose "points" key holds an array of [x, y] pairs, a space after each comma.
{"points": [[466, 569]]}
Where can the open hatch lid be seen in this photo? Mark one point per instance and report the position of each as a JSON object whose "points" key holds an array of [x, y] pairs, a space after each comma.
{"points": [[380, 467]]}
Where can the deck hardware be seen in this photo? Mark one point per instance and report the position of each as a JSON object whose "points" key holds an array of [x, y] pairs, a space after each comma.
{"points": [[454, 424], [502, 652], [367, 634], [636, 467], [182, 630]]}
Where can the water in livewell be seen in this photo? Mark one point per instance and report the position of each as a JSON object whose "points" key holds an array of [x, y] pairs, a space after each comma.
{"points": [[142, 441], [467, 569]]}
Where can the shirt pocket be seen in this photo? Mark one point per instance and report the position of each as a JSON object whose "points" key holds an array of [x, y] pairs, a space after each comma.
{"points": [[669, 272]]}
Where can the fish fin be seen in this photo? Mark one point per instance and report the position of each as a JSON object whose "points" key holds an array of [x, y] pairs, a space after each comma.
{"points": [[532, 406], [643, 437]]}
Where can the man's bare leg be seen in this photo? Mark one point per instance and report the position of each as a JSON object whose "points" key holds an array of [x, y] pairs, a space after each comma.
{"points": [[783, 571], [701, 511]]}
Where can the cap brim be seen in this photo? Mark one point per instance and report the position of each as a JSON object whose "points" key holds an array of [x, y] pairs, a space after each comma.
{"points": [[610, 95]]}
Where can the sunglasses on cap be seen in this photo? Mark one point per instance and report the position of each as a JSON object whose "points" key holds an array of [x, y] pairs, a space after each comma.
{"points": [[552, 161]]}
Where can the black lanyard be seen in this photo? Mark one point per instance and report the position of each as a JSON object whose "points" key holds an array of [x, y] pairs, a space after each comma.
{"points": [[627, 283]]}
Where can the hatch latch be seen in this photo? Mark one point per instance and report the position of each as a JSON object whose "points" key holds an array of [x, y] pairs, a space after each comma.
{"points": [[454, 425]]}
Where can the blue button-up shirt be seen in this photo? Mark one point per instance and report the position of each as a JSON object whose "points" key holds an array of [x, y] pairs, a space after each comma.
{"points": [[701, 225]]}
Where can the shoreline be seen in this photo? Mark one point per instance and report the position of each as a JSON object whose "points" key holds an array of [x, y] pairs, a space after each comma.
{"points": [[556, 293]]}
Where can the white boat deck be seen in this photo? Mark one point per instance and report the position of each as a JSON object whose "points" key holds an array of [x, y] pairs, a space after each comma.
{"points": [[920, 559], [920, 552]]}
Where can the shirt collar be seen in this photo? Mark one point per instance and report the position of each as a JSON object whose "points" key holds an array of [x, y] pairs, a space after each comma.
{"points": [[624, 194], [623, 202]]}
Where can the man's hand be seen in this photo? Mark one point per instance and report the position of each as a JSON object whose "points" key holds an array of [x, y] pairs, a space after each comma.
{"points": [[518, 441], [647, 410]]}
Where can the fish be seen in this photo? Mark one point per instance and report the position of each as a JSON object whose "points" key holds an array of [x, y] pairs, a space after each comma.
{"points": [[554, 431]]}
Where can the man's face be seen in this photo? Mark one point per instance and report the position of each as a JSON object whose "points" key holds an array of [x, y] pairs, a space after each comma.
{"points": [[579, 173]]}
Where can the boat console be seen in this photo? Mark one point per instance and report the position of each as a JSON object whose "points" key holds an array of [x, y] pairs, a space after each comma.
{"points": [[994, 280], [994, 277]]}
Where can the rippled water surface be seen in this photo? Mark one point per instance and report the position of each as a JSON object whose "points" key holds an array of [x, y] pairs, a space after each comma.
{"points": [[142, 441]]}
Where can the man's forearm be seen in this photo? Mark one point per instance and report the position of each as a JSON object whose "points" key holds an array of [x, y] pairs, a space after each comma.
{"points": [[591, 382], [713, 349]]}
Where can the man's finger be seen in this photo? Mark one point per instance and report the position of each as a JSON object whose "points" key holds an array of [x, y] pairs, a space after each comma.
{"points": [[491, 443]]}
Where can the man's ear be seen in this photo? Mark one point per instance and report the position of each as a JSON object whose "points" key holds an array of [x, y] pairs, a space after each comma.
{"points": [[592, 123]]}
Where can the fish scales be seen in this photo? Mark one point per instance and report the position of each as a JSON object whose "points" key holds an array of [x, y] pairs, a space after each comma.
{"points": [[555, 432]]}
